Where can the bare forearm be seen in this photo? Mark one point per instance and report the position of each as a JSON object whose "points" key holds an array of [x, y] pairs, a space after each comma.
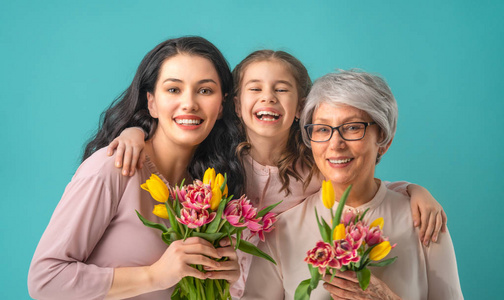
{"points": [[130, 282]]}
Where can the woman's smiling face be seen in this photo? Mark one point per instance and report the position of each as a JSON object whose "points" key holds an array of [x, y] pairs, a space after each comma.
{"points": [[187, 100], [345, 162]]}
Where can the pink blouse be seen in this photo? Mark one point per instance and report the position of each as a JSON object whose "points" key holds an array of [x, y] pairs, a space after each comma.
{"points": [[419, 272], [95, 229]]}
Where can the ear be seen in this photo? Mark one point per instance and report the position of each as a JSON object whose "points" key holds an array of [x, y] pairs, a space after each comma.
{"points": [[237, 106], [383, 149], [221, 108], [151, 104], [298, 112]]}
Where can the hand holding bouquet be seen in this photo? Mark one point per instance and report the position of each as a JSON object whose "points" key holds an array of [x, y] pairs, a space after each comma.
{"points": [[349, 244], [203, 209]]}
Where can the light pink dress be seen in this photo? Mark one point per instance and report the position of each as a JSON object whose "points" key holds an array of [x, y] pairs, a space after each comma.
{"points": [[95, 229], [419, 272]]}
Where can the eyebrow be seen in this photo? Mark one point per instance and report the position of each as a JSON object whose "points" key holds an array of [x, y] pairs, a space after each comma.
{"points": [[278, 81], [199, 82], [350, 119]]}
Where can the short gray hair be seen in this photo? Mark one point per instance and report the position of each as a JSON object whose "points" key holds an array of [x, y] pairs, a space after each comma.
{"points": [[364, 91]]}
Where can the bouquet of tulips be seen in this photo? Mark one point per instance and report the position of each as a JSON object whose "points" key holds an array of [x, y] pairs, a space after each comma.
{"points": [[349, 244], [204, 209]]}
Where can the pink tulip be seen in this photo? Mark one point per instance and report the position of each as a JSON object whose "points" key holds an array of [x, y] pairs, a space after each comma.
{"points": [[239, 213], [357, 232], [348, 216], [374, 236], [195, 219], [346, 250], [267, 225], [322, 256], [195, 196]]}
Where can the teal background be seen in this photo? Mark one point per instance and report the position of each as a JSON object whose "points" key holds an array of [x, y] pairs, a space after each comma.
{"points": [[62, 63]]}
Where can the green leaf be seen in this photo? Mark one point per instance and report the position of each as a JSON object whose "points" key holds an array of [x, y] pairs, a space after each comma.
{"points": [[171, 217], [267, 209], [383, 263], [214, 225], [250, 248], [166, 237], [362, 216], [315, 276], [151, 224], [211, 237], [323, 230], [364, 276], [328, 232], [303, 290], [341, 205]]}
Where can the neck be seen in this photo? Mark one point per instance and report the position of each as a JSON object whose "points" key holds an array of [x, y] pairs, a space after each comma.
{"points": [[171, 160], [267, 150], [361, 193]]}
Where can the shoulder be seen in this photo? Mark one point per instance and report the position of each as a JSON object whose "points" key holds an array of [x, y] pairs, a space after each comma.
{"points": [[98, 165]]}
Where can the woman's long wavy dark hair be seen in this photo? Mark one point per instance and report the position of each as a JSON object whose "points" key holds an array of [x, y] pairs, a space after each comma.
{"points": [[130, 109], [295, 151]]}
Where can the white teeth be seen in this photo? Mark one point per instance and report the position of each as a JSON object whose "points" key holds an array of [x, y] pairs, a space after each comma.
{"points": [[339, 161], [187, 121], [263, 113]]}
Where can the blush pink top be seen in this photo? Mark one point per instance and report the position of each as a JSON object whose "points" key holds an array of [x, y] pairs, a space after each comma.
{"points": [[263, 189], [419, 272], [95, 229]]}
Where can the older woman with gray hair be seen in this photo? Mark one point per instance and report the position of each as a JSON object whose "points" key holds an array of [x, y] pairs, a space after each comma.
{"points": [[350, 119]]}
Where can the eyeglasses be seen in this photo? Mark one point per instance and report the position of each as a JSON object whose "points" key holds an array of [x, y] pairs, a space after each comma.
{"points": [[353, 131]]}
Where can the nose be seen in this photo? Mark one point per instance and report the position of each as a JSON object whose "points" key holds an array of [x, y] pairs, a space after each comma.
{"points": [[188, 101], [268, 96], [336, 141]]}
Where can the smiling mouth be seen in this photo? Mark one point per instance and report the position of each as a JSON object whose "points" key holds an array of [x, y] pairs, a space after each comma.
{"points": [[267, 115], [188, 121], [340, 161]]}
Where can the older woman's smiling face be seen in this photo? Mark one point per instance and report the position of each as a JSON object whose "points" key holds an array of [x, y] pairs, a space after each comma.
{"points": [[346, 162]]}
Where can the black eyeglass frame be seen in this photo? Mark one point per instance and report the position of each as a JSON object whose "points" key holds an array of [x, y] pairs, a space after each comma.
{"points": [[337, 128]]}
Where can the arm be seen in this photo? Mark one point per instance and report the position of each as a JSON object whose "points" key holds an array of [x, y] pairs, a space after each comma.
{"points": [[173, 265], [345, 285], [442, 273], [78, 222], [427, 213], [130, 145]]}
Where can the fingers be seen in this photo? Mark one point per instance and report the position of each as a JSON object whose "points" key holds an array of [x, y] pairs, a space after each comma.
{"points": [[119, 155], [445, 221], [415, 213], [111, 147], [437, 228], [195, 245], [141, 160], [228, 252], [429, 231], [231, 276], [127, 161]]}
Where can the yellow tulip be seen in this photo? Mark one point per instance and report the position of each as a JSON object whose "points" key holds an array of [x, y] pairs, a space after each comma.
{"points": [[327, 194], [378, 222], [157, 188], [339, 232], [216, 198], [209, 177], [219, 180], [160, 211], [380, 251]]}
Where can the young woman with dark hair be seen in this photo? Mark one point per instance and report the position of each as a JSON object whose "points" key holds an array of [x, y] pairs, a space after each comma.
{"points": [[95, 246]]}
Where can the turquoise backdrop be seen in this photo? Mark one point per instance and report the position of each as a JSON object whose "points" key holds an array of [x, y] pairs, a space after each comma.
{"points": [[63, 62]]}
